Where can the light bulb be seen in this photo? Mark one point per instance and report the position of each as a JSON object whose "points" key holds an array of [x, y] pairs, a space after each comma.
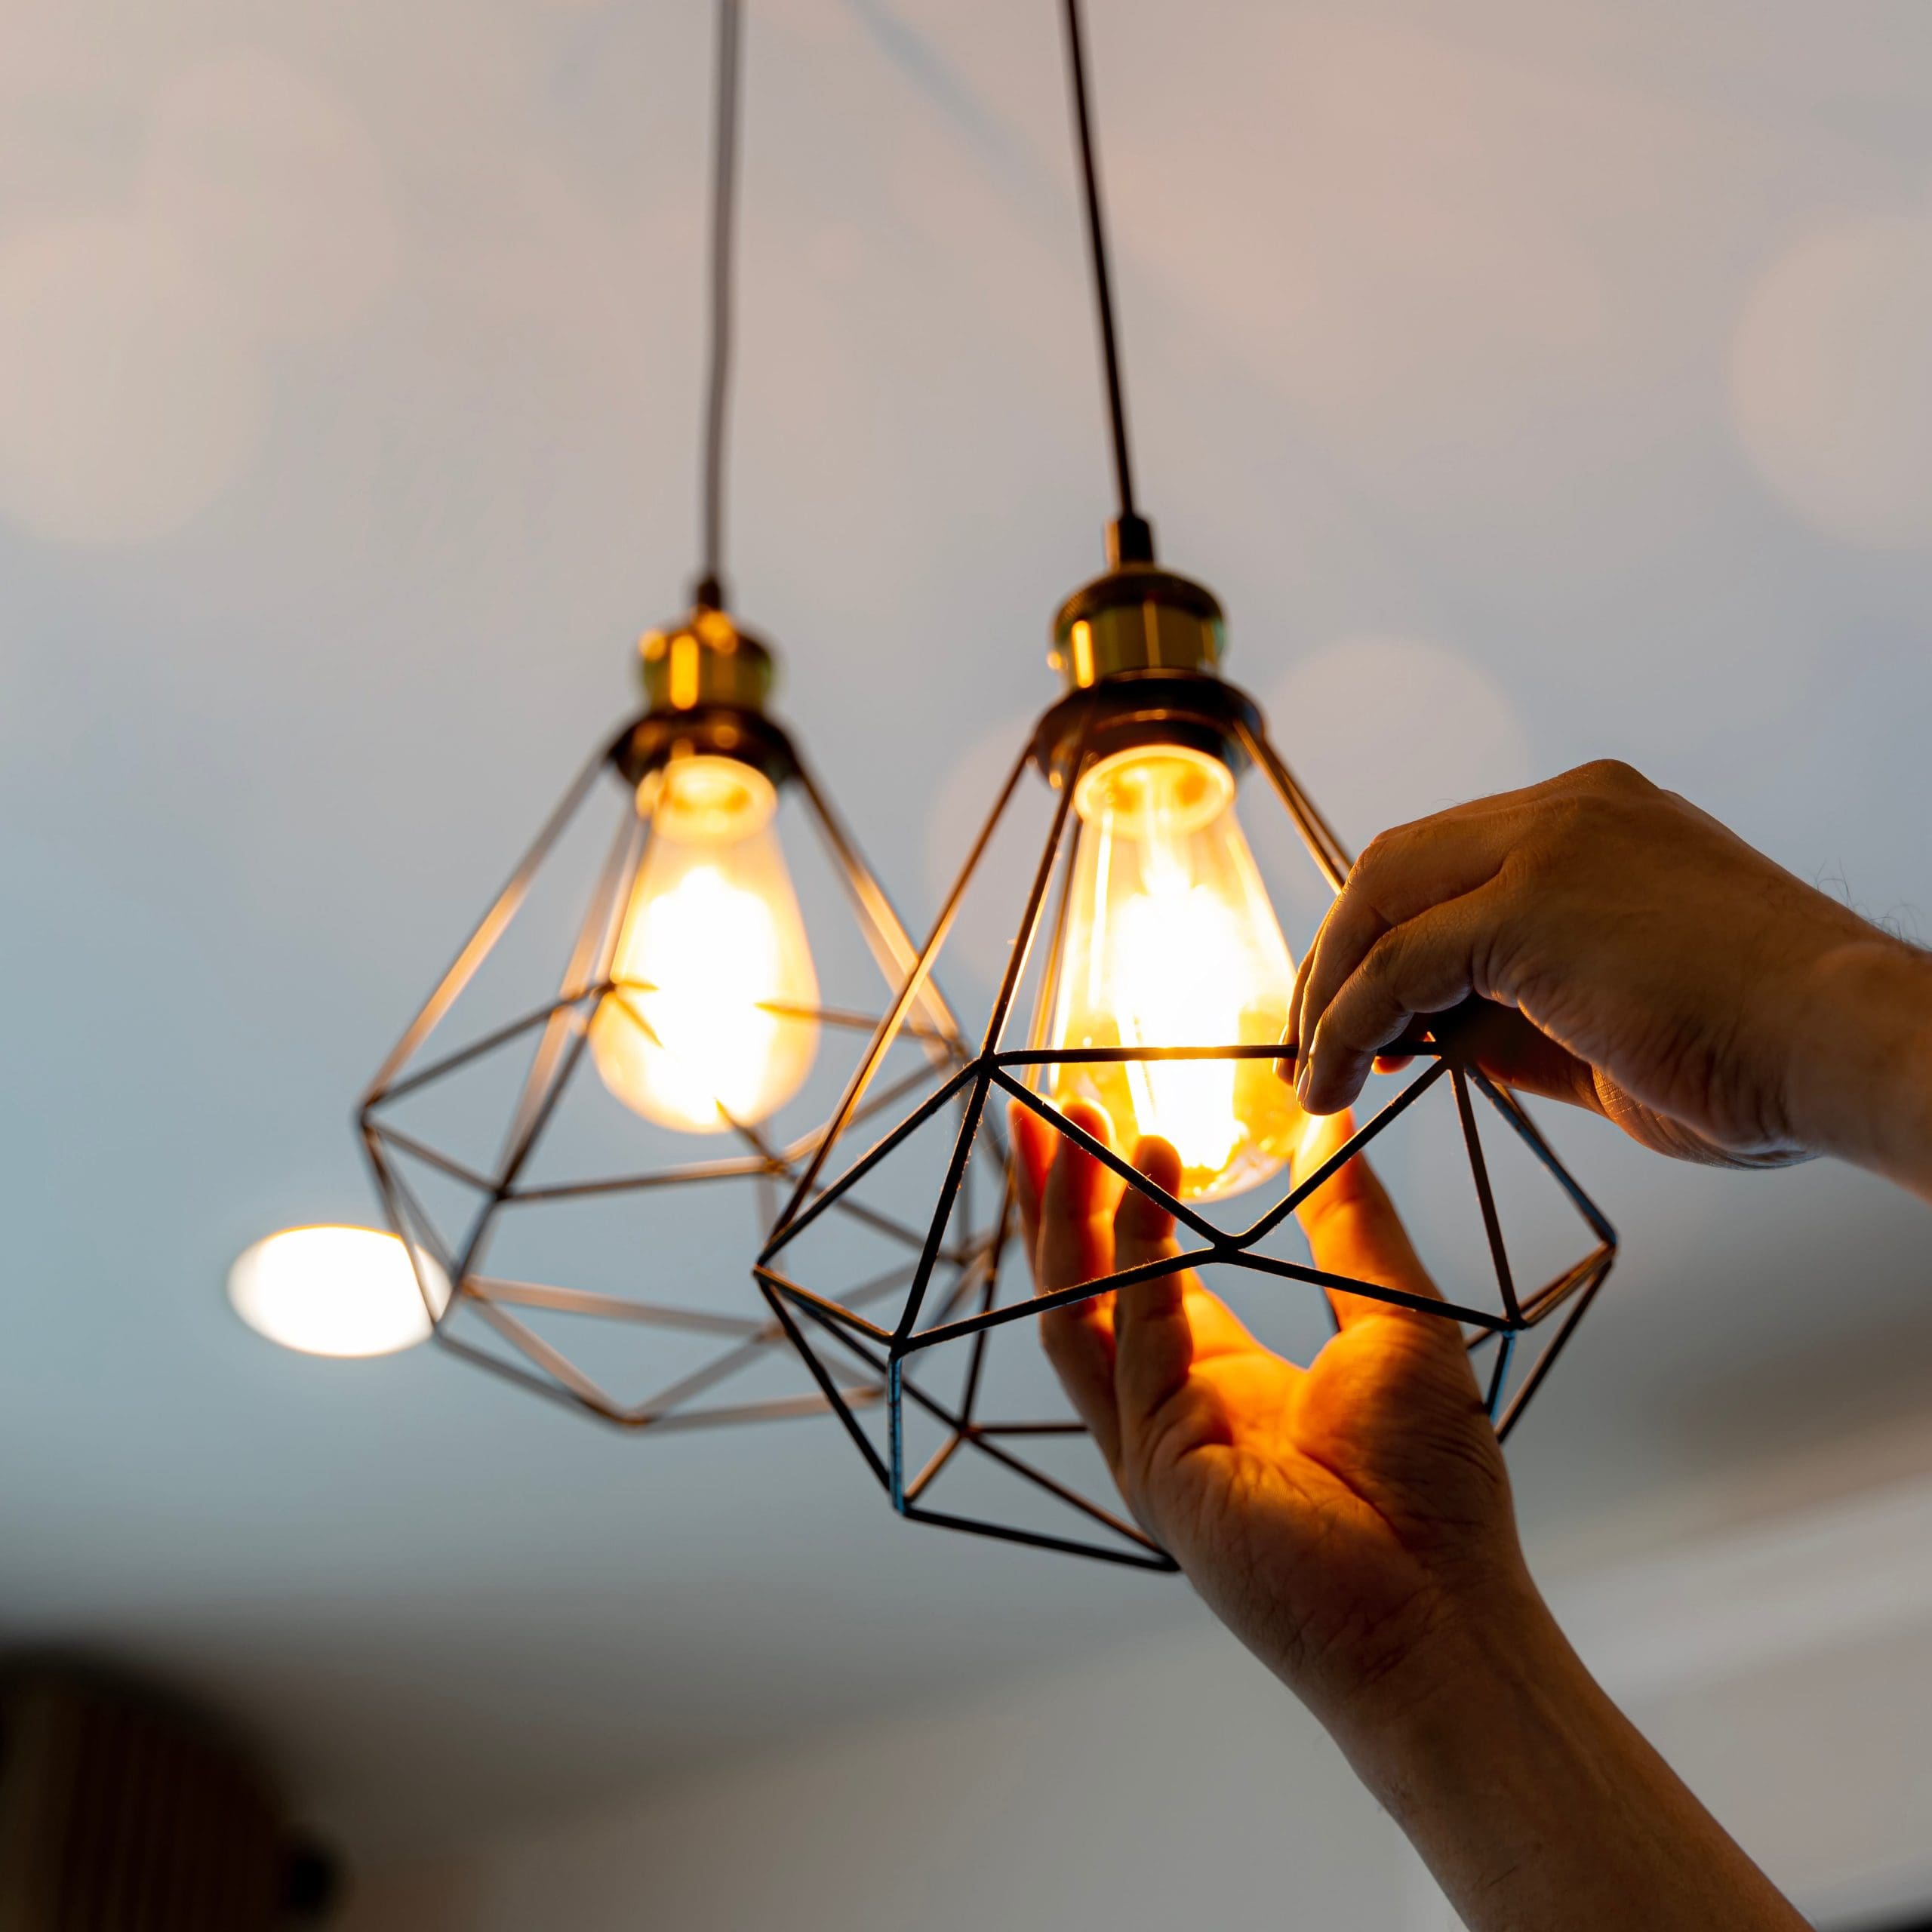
{"points": [[1169, 940], [710, 1016], [336, 1291]]}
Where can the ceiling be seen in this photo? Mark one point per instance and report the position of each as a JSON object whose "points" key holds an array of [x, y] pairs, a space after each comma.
{"points": [[1538, 383]]}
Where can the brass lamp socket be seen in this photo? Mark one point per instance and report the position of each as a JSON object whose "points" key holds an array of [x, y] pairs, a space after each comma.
{"points": [[705, 683], [707, 660], [1140, 649], [1137, 617]]}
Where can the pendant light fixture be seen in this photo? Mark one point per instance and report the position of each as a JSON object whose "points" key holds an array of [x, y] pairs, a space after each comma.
{"points": [[588, 1115], [1149, 975]]}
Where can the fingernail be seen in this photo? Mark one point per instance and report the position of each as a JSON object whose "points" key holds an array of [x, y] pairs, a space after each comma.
{"points": [[1301, 1081]]}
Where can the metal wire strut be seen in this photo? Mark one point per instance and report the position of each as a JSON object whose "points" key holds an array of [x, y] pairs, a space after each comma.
{"points": [[710, 594]]}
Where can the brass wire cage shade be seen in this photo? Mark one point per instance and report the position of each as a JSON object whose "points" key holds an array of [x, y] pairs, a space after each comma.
{"points": [[473, 1128], [1515, 1329], [533, 1147]]}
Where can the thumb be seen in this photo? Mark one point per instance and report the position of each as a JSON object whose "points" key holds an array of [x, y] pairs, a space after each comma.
{"points": [[1353, 1227]]}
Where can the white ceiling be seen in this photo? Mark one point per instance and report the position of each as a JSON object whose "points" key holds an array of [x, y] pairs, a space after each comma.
{"points": [[1533, 384]]}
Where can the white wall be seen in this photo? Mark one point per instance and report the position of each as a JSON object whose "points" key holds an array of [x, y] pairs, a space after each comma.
{"points": [[1788, 1675]]}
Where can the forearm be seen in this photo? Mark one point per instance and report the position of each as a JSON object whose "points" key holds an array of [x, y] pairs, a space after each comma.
{"points": [[1536, 1805], [1861, 1077]]}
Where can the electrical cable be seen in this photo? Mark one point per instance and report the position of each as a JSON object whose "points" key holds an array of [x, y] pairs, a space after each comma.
{"points": [[710, 591], [1131, 537]]}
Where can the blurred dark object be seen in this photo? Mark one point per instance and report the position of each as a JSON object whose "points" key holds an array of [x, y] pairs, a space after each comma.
{"points": [[122, 1811], [311, 1885]]}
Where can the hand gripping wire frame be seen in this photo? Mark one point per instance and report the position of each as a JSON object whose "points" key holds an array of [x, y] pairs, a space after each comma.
{"points": [[825, 1327]]}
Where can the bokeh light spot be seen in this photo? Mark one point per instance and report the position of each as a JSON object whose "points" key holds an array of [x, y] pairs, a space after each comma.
{"points": [[1831, 380], [129, 401]]}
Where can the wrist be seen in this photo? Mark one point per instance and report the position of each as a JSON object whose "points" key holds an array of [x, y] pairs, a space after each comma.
{"points": [[1472, 1643], [1454, 1746], [1860, 1085], [1535, 1802], [1488, 1754]]}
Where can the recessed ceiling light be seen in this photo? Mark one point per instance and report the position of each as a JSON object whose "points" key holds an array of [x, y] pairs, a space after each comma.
{"points": [[335, 1291]]}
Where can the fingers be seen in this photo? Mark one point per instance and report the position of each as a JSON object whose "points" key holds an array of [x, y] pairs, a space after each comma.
{"points": [[1076, 1209], [1120, 1356], [1402, 874], [1513, 1049], [1509, 1048], [1153, 1343], [1077, 1339], [1143, 1229], [1353, 1227], [1427, 965], [1033, 1154]]}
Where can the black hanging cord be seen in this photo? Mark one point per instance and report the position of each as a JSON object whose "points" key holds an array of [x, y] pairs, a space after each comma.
{"points": [[1130, 538], [710, 592]]}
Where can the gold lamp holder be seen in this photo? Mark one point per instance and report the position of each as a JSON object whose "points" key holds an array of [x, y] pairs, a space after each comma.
{"points": [[1137, 617], [706, 661], [706, 686]]}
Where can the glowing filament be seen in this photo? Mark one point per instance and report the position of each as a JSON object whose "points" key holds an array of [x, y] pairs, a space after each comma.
{"points": [[1170, 941], [709, 1019]]}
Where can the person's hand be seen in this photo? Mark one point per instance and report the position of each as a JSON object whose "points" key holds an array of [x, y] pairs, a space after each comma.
{"points": [[1351, 1523], [1610, 944], [1341, 1520]]}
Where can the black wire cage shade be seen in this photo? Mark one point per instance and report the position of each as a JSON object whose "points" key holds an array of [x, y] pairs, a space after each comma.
{"points": [[559, 1239], [1516, 1322], [1147, 973]]}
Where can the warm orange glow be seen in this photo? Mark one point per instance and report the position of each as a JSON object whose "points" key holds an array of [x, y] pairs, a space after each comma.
{"points": [[709, 1021], [1171, 941], [685, 654]]}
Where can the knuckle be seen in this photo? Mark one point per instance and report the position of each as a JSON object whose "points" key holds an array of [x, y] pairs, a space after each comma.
{"points": [[1322, 1215], [1379, 858], [1573, 824], [1376, 853], [1584, 804], [1385, 965], [1522, 867], [1361, 1017], [1066, 1333], [1615, 777]]}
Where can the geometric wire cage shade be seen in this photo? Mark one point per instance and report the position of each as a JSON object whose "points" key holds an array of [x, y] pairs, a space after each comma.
{"points": [[1486, 1174], [564, 1241], [577, 1166]]}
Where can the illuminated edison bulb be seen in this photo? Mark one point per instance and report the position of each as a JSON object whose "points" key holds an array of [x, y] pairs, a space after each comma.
{"points": [[709, 1019], [1170, 941]]}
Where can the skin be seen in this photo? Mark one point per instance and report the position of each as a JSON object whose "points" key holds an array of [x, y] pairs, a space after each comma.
{"points": [[1351, 1522], [1329, 1516], [1604, 942]]}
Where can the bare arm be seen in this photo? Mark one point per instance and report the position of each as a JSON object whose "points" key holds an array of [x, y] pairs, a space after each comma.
{"points": [[1627, 952], [1352, 1524], [1536, 1803]]}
